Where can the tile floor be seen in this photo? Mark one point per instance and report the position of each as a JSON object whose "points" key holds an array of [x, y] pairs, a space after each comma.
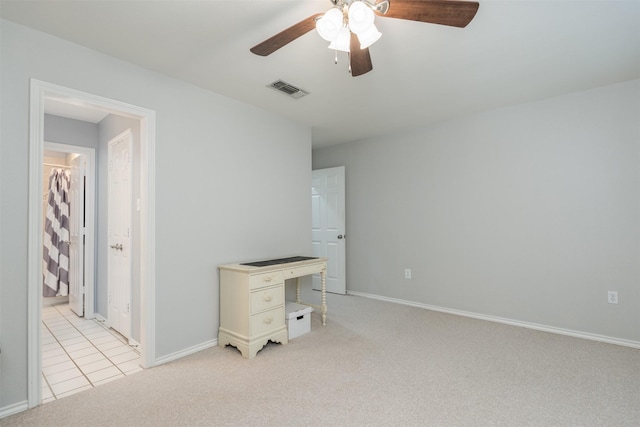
{"points": [[78, 354]]}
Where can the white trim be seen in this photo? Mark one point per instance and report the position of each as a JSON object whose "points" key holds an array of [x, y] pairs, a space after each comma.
{"points": [[148, 238], [39, 91], [90, 220], [13, 409], [512, 322], [186, 352], [34, 250]]}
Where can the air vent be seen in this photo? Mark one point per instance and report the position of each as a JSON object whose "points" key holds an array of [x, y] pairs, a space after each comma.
{"points": [[288, 89]]}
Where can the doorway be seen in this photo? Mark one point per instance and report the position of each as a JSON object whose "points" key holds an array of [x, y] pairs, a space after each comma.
{"points": [[328, 233], [40, 93], [78, 352], [80, 162]]}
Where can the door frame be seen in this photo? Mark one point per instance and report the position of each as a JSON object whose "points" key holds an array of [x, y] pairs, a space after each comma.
{"points": [[39, 92], [90, 219]]}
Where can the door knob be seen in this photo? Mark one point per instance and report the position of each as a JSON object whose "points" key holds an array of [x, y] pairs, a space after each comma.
{"points": [[340, 236]]}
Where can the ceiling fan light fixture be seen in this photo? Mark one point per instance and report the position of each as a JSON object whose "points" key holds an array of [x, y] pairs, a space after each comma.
{"points": [[342, 41], [369, 37], [452, 13], [360, 17], [382, 7], [330, 24]]}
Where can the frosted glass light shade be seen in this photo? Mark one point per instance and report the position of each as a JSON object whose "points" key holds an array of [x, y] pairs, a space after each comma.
{"points": [[343, 40], [329, 25], [369, 37], [360, 17]]}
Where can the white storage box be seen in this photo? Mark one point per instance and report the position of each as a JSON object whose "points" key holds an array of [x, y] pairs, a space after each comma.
{"points": [[298, 319]]}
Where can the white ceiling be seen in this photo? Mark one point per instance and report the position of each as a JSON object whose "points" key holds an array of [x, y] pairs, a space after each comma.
{"points": [[513, 51], [64, 108]]}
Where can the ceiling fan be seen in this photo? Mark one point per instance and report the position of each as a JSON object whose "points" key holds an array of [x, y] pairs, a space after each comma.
{"points": [[348, 25]]}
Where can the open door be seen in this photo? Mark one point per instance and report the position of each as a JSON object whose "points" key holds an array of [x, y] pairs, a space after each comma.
{"points": [[119, 234], [77, 234]]}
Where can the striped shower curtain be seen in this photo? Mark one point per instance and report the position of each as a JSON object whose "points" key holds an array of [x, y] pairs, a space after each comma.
{"points": [[55, 262]]}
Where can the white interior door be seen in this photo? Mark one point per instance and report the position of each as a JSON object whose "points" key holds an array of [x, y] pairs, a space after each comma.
{"points": [[76, 234], [119, 234], [328, 226]]}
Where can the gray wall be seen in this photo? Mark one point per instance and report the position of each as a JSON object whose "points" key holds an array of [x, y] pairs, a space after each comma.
{"points": [[71, 132], [528, 213], [232, 184]]}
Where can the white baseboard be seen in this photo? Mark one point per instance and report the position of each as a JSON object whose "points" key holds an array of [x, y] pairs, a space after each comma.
{"points": [[185, 352], [13, 409], [512, 322]]}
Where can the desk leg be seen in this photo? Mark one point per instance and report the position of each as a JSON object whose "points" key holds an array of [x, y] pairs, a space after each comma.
{"points": [[298, 300], [323, 307]]}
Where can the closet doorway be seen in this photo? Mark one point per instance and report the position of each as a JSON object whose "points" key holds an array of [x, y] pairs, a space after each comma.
{"points": [[69, 176]]}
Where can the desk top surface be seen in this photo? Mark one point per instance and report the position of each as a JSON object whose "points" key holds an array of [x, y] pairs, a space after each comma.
{"points": [[274, 264], [278, 261]]}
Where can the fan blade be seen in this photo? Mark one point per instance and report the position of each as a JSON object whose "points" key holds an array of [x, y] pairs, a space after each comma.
{"points": [[443, 12], [360, 58], [285, 37]]}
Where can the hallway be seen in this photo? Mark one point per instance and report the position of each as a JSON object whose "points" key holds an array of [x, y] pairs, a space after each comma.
{"points": [[78, 354]]}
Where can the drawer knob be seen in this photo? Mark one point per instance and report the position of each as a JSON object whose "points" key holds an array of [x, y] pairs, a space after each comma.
{"points": [[268, 298], [268, 320]]}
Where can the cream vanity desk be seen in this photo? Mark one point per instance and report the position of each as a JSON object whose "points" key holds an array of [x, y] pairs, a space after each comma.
{"points": [[252, 300]]}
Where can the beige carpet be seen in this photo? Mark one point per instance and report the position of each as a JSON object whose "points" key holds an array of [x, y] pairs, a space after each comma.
{"points": [[376, 364]]}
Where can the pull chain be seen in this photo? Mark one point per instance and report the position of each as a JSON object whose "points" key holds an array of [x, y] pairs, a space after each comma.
{"points": [[335, 60]]}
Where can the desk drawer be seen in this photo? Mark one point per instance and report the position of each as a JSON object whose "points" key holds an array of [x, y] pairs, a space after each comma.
{"points": [[267, 298], [265, 322], [265, 279], [304, 270]]}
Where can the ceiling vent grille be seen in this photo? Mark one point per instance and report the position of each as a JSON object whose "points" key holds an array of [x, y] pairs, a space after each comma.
{"points": [[288, 89]]}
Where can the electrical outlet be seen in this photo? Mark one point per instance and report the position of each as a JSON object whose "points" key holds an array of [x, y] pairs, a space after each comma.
{"points": [[612, 297], [407, 273]]}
